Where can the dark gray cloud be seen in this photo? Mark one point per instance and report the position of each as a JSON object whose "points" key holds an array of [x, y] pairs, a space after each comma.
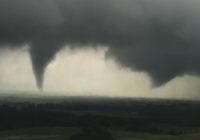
{"points": [[160, 37]]}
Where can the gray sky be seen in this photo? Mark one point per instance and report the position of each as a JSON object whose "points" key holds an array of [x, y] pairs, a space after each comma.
{"points": [[154, 44]]}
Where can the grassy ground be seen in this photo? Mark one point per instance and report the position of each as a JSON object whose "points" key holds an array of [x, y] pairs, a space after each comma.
{"points": [[63, 133], [143, 136], [188, 130]]}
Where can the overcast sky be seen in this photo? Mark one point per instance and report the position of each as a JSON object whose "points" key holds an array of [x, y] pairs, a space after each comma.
{"points": [[117, 48]]}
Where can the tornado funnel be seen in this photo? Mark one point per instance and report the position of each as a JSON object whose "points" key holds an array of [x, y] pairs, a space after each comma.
{"points": [[40, 59]]}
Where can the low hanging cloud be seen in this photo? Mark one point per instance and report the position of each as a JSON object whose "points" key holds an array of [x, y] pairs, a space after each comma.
{"points": [[158, 37]]}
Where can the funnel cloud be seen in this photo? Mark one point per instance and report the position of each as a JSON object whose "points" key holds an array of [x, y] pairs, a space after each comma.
{"points": [[158, 37]]}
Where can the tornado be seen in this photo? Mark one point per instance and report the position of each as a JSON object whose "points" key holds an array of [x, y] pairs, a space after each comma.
{"points": [[38, 65], [40, 59]]}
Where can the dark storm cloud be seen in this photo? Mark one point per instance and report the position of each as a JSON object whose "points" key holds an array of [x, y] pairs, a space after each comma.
{"points": [[160, 37]]}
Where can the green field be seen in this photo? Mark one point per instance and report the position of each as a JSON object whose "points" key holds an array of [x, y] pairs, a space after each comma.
{"points": [[63, 133]]}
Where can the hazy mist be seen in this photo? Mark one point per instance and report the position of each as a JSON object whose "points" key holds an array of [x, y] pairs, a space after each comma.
{"points": [[86, 72]]}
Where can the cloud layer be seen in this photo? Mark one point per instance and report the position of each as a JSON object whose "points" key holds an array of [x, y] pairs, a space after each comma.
{"points": [[158, 37]]}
